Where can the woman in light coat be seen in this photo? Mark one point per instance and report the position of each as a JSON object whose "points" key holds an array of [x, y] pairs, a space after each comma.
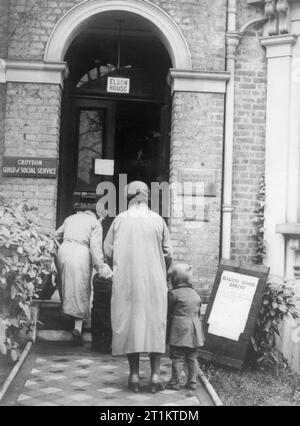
{"points": [[139, 244], [81, 249]]}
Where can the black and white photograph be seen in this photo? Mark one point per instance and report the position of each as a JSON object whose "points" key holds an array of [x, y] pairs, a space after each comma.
{"points": [[149, 206]]}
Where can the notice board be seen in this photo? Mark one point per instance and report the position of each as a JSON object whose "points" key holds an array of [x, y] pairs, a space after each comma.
{"points": [[232, 312]]}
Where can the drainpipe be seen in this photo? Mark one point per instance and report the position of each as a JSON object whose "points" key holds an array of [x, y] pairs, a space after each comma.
{"points": [[232, 41]]}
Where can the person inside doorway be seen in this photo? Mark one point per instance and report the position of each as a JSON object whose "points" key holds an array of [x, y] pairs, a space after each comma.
{"points": [[102, 290], [81, 249], [139, 244]]}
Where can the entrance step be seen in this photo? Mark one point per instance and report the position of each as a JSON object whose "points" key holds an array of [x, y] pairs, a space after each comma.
{"points": [[60, 336], [54, 326]]}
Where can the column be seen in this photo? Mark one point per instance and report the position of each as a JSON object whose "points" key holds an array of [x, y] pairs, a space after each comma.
{"points": [[279, 57]]}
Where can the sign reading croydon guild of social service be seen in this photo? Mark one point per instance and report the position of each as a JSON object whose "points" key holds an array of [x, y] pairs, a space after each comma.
{"points": [[232, 312], [118, 85], [30, 167]]}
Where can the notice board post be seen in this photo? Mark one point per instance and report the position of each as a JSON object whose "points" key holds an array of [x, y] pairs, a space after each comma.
{"points": [[232, 312]]}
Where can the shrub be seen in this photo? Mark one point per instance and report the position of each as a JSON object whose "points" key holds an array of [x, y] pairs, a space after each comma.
{"points": [[26, 260], [278, 301]]}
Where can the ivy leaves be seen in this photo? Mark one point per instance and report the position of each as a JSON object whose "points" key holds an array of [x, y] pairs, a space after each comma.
{"points": [[278, 301], [258, 222], [26, 259]]}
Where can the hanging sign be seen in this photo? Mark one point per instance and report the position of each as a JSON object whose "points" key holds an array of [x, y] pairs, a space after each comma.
{"points": [[30, 167], [232, 312], [118, 85]]}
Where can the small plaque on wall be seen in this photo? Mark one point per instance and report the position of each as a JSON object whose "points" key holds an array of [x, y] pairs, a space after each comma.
{"points": [[29, 167], [197, 182]]}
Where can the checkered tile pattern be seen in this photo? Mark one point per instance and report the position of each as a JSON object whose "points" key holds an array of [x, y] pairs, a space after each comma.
{"points": [[93, 381]]}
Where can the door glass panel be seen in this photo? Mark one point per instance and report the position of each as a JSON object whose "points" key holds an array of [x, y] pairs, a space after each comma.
{"points": [[90, 146]]}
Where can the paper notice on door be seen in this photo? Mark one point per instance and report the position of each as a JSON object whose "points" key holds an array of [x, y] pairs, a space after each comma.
{"points": [[104, 167], [232, 305]]}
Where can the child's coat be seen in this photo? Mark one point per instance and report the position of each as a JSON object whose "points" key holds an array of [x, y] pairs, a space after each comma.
{"points": [[184, 328]]}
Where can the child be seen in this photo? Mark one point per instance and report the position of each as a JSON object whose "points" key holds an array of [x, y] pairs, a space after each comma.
{"points": [[185, 333]]}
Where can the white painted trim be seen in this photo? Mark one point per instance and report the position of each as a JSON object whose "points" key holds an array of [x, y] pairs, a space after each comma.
{"points": [[280, 152], [279, 46], [33, 72], [197, 81], [2, 71], [77, 18]]}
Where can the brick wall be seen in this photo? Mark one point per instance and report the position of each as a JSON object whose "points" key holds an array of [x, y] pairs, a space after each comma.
{"points": [[197, 134], [249, 141], [4, 20], [32, 129], [202, 22]]}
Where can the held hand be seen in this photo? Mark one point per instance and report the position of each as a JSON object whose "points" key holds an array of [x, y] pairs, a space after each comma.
{"points": [[105, 272]]}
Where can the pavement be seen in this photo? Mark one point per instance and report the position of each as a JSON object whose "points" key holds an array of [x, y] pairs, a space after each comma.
{"points": [[59, 374]]}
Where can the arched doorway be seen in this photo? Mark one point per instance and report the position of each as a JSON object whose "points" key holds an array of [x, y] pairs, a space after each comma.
{"points": [[131, 128]]}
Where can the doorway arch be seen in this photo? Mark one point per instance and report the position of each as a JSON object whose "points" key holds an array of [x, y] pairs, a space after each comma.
{"points": [[130, 129], [76, 20]]}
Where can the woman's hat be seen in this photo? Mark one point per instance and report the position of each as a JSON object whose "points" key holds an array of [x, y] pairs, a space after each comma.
{"points": [[137, 189]]}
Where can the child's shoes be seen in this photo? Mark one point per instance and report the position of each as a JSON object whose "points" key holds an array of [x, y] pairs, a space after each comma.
{"points": [[173, 385], [191, 386]]}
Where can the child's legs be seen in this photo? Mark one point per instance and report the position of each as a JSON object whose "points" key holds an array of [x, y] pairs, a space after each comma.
{"points": [[192, 364], [177, 355]]}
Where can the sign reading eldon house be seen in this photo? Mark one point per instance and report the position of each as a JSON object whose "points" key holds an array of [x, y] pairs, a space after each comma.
{"points": [[31, 167], [118, 85], [232, 312]]}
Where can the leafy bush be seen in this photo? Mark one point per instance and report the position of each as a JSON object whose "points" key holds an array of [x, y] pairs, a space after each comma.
{"points": [[26, 260], [278, 301], [258, 222]]}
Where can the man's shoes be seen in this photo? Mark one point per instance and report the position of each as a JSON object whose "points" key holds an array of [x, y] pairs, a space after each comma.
{"points": [[101, 349]]}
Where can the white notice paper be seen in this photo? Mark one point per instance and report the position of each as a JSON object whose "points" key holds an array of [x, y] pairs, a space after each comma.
{"points": [[232, 305], [104, 167]]}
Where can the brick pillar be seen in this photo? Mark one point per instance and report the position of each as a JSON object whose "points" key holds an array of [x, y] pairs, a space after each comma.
{"points": [[197, 143], [32, 128]]}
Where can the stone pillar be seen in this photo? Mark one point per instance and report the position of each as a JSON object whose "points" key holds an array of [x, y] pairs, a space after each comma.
{"points": [[279, 58]]}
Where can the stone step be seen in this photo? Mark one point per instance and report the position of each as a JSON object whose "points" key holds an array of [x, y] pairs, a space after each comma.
{"points": [[60, 336], [54, 326]]}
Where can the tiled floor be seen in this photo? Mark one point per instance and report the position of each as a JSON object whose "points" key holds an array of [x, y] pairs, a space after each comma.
{"points": [[53, 376]]}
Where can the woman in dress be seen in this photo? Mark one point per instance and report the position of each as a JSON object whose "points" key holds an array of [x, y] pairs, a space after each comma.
{"points": [[81, 249], [139, 244]]}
